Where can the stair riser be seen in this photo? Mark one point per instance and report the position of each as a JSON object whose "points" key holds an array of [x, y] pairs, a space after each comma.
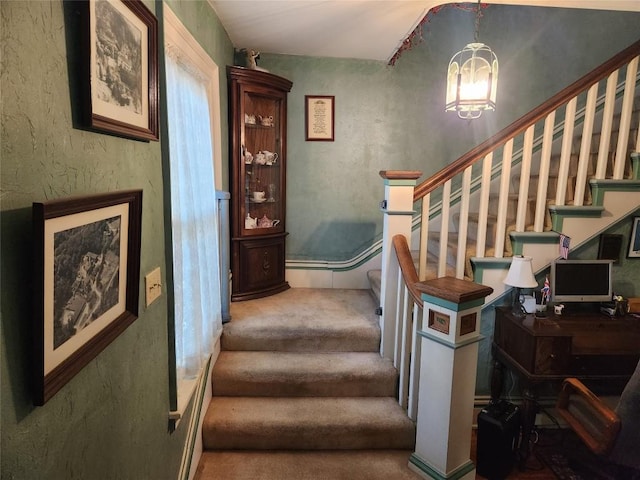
{"points": [[287, 343], [374, 387], [263, 423], [294, 374], [313, 438]]}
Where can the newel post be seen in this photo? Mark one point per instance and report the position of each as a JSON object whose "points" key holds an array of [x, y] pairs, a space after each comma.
{"points": [[397, 208], [450, 335]]}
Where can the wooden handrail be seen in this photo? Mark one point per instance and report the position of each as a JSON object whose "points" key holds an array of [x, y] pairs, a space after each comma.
{"points": [[526, 120], [407, 267]]}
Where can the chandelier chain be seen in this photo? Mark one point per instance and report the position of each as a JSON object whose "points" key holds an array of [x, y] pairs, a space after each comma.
{"points": [[477, 23]]}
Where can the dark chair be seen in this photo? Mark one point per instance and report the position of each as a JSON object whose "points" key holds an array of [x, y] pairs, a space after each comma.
{"points": [[613, 433]]}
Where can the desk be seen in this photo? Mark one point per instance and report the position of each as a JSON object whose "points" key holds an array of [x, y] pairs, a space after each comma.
{"points": [[588, 346]]}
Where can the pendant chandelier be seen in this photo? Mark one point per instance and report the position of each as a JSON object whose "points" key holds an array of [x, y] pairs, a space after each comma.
{"points": [[472, 78]]}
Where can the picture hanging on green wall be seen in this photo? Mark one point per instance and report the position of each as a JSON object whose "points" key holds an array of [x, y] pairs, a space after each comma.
{"points": [[319, 117], [87, 275], [121, 68]]}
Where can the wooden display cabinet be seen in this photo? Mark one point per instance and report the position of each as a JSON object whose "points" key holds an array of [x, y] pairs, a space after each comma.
{"points": [[257, 151]]}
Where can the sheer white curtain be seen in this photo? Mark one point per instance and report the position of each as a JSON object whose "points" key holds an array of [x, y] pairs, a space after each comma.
{"points": [[194, 218]]}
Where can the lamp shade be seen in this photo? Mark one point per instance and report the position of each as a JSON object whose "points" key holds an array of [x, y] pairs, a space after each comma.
{"points": [[472, 81], [520, 273]]}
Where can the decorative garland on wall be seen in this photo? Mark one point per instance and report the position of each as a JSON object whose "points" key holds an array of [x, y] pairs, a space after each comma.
{"points": [[416, 38]]}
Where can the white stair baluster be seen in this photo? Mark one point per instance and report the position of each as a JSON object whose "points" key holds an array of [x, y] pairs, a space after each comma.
{"points": [[585, 145], [503, 200], [414, 368], [607, 123], [424, 238], [463, 222], [565, 153], [405, 354], [622, 153], [483, 209], [525, 177], [444, 229], [397, 341], [543, 172]]}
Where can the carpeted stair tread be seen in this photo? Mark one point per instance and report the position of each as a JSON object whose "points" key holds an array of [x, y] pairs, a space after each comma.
{"points": [[306, 423], [292, 335], [305, 465], [297, 374], [302, 319]]}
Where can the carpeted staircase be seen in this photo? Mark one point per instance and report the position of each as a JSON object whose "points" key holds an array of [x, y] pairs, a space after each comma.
{"points": [[301, 392]]}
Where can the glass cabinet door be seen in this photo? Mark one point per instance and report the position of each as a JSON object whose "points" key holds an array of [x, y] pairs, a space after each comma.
{"points": [[261, 155]]}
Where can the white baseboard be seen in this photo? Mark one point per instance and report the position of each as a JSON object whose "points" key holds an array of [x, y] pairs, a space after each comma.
{"points": [[331, 274]]}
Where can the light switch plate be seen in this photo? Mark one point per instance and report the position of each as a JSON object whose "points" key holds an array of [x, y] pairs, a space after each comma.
{"points": [[153, 286]]}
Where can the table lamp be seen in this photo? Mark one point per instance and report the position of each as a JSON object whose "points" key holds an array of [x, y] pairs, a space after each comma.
{"points": [[520, 275]]}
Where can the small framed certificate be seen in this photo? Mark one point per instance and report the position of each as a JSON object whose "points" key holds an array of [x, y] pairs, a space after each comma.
{"points": [[319, 118]]}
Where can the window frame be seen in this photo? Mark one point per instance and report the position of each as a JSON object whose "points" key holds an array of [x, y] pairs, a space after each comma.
{"points": [[176, 35]]}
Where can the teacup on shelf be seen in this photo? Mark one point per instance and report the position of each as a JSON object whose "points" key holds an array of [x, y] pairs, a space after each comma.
{"points": [[258, 196]]}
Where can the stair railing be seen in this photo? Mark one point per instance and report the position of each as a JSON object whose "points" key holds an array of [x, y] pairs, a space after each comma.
{"points": [[534, 150], [556, 160], [407, 345]]}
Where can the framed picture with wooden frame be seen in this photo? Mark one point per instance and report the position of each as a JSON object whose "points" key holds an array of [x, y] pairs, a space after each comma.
{"points": [[87, 275], [610, 247], [120, 65], [634, 239], [319, 117]]}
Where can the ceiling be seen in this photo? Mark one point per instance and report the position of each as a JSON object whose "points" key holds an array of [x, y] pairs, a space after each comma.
{"points": [[363, 29]]}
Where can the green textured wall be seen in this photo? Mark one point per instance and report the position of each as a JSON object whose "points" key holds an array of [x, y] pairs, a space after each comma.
{"points": [[390, 118], [111, 420]]}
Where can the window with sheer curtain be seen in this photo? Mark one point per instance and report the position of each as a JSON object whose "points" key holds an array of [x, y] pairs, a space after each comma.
{"points": [[194, 218]]}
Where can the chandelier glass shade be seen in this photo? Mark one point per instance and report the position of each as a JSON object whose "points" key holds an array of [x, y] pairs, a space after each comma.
{"points": [[472, 81]]}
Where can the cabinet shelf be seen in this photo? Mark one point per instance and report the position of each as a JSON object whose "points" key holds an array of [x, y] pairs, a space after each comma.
{"points": [[255, 125]]}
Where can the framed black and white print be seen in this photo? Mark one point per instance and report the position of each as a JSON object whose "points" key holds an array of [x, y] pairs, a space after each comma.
{"points": [[87, 275], [122, 68]]}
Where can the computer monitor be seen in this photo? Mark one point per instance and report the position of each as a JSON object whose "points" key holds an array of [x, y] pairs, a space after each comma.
{"points": [[581, 281]]}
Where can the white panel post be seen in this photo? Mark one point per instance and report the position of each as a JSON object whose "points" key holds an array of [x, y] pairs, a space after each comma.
{"points": [[448, 364], [397, 208]]}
